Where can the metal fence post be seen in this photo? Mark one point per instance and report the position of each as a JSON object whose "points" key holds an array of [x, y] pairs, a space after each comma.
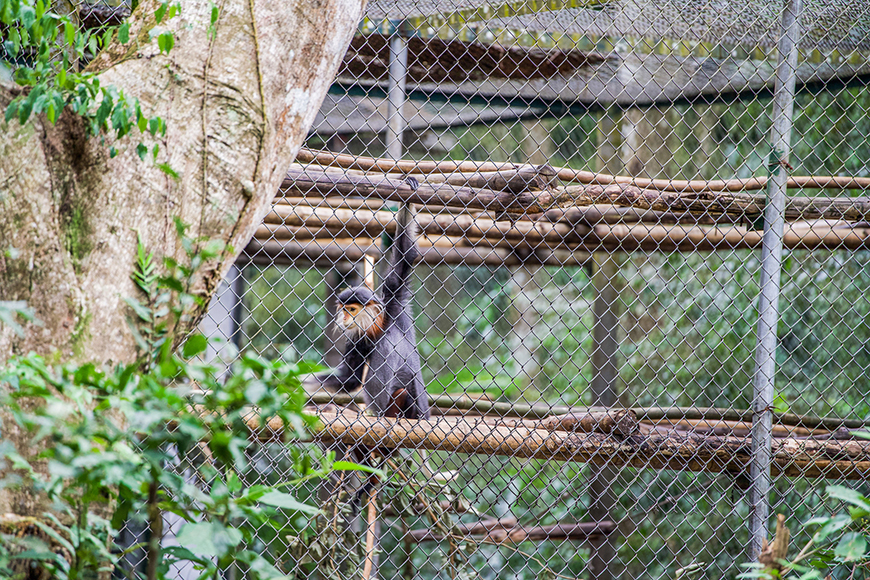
{"points": [[771, 265], [398, 72]]}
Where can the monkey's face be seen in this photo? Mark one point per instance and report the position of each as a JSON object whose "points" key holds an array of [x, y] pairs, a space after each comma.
{"points": [[357, 319]]}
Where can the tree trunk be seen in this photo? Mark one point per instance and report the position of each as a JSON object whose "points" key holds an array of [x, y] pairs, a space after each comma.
{"points": [[237, 106]]}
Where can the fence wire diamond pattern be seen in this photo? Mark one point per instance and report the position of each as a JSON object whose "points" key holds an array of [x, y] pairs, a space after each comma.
{"points": [[593, 181]]}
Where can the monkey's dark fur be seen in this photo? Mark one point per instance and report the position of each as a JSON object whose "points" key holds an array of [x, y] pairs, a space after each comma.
{"points": [[383, 336]]}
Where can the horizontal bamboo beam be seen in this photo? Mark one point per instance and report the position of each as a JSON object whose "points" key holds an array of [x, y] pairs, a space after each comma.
{"points": [[800, 236], [369, 223], [731, 203], [617, 421], [654, 414], [327, 253], [739, 428], [737, 205], [573, 175], [322, 183], [529, 237], [691, 452], [507, 530]]}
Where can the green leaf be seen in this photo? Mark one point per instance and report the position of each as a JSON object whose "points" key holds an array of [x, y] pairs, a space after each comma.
{"points": [[348, 466], [165, 41], [161, 12], [211, 539], [287, 501], [835, 524], [141, 151], [165, 168], [780, 405], [848, 495], [851, 548], [194, 345], [124, 33], [141, 311]]}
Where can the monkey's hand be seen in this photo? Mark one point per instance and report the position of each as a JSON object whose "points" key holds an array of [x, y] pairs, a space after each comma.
{"points": [[412, 181]]}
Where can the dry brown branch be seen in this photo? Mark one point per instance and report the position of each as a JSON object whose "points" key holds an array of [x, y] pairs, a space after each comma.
{"points": [[573, 175], [771, 555], [371, 520]]}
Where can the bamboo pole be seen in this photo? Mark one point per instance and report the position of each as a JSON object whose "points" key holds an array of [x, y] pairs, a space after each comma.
{"points": [[532, 237], [790, 457], [647, 414], [733, 204], [507, 530], [328, 253], [572, 175], [374, 223], [730, 203], [322, 183]]}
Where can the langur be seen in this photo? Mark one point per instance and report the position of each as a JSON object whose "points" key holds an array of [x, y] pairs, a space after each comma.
{"points": [[381, 351]]}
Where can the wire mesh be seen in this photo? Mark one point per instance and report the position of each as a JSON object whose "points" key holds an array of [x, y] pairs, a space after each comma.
{"points": [[640, 292]]}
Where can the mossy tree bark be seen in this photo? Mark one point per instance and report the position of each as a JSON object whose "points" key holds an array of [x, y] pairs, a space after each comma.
{"points": [[237, 104]]}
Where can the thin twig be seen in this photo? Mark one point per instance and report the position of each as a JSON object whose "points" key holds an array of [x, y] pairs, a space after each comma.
{"points": [[370, 534]]}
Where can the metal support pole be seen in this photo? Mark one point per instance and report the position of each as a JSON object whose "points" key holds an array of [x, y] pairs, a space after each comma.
{"points": [[398, 70], [771, 265], [605, 393]]}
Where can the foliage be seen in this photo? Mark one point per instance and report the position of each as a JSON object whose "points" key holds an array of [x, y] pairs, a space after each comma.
{"points": [[44, 50], [837, 549], [164, 434]]}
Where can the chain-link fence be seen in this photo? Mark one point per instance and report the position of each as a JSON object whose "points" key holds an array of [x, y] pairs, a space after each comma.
{"points": [[632, 364]]}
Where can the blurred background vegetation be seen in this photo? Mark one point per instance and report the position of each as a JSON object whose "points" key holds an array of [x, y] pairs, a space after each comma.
{"points": [[687, 331]]}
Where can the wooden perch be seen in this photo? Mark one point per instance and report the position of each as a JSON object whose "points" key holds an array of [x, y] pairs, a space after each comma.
{"points": [[617, 421], [791, 457], [735, 205], [507, 530], [659, 415], [313, 181], [347, 222], [327, 253], [527, 178], [573, 175], [731, 203]]}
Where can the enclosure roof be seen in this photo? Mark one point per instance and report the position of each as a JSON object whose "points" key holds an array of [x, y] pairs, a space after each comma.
{"points": [[843, 25], [346, 113], [437, 60]]}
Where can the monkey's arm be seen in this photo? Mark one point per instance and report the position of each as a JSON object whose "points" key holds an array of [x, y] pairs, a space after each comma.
{"points": [[397, 285], [349, 374]]}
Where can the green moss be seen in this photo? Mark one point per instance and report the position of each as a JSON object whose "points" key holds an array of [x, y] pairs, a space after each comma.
{"points": [[81, 333], [76, 233]]}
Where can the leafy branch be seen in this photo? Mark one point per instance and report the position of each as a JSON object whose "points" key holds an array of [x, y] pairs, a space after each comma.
{"points": [[43, 47]]}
